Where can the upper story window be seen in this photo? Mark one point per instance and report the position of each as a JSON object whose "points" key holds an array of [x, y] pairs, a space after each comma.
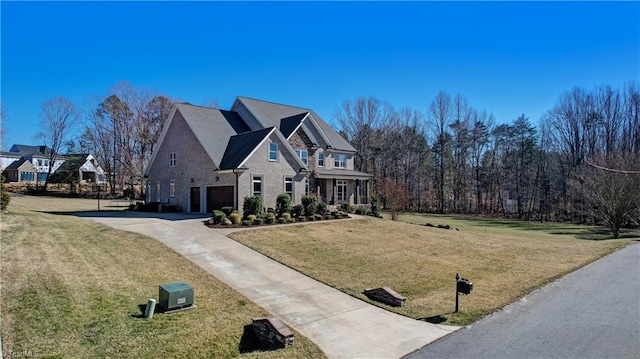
{"points": [[273, 151], [320, 159], [304, 156], [340, 161], [172, 159]]}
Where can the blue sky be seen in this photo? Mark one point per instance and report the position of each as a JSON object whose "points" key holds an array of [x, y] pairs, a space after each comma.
{"points": [[506, 57]]}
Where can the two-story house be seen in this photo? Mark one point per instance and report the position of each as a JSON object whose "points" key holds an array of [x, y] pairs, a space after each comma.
{"points": [[209, 158]]}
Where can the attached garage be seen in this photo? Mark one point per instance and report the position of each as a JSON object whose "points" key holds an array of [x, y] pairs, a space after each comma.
{"points": [[218, 197]]}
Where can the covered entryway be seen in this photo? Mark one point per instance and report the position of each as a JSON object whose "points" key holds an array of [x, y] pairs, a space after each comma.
{"points": [[194, 199], [218, 197]]}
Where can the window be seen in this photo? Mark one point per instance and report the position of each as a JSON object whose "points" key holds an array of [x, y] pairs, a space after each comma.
{"points": [[158, 192], [288, 186], [172, 188], [42, 176], [304, 156], [273, 151], [26, 176], [341, 190], [172, 159], [340, 161], [307, 187], [320, 159], [257, 186]]}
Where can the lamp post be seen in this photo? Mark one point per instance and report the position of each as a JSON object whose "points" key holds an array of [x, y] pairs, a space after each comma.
{"points": [[97, 188]]}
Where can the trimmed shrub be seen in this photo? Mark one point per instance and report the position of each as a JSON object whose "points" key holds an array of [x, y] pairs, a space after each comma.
{"points": [[286, 216], [258, 221], [321, 208], [282, 220], [302, 219], [227, 210], [251, 217], [246, 222], [327, 217], [310, 204], [252, 206], [270, 220], [235, 218], [297, 211], [317, 217], [271, 210], [347, 207], [283, 204], [361, 210], [218, 217]]}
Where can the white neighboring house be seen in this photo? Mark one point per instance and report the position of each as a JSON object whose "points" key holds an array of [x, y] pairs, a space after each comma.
{"points": [[38, 158]]}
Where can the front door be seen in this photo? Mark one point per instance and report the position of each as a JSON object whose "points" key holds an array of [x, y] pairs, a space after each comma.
{"points": [[194, 199]]}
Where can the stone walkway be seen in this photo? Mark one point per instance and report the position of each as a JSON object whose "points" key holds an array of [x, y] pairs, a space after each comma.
{"points": [[342, 326]]}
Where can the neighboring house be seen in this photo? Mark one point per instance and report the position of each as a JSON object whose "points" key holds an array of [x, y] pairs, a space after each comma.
{"points": [[37, 155], [80, 168], [208, 158], [21, 171]]}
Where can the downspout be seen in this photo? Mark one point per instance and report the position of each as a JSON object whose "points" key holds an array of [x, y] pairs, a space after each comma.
{"points": [[235, 191]]}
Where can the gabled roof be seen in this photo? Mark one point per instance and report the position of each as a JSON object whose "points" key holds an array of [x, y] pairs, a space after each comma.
{"points": [[290, 124], [243, 145], [270, 114], [73, 163], [17, 164], [203, 121], [240, 147], [28, 149]]}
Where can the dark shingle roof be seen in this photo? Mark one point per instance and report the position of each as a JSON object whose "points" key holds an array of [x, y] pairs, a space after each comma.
{"points": [[240, 146], [16, 164], [204, 121], [270, 115], [29, 150], [289, 124], [72, 163]]}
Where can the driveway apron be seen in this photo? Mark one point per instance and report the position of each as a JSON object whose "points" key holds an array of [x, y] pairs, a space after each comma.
{"points": [[341, 326]]}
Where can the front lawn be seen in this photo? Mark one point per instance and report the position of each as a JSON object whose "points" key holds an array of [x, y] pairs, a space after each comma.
{"points": [[71, 289], [503, 260]]}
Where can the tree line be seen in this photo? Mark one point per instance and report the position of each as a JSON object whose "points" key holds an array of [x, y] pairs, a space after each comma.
{"points": [[454, 158]]}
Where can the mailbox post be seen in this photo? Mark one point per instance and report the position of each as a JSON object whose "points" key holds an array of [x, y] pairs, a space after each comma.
{"points": [[462, 286]]}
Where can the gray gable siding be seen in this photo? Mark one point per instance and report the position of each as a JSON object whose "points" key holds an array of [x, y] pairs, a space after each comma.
{"points": [[193, 167]]}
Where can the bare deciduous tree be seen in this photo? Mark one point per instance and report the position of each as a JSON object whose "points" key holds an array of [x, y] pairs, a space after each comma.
{"points": [[57, 122], [396, 197]]}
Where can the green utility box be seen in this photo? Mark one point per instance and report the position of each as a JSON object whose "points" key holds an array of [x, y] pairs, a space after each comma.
{"points": [[174, 296]]}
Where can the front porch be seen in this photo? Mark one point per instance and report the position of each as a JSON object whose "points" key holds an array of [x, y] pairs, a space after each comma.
{"points": [[338, 187]]}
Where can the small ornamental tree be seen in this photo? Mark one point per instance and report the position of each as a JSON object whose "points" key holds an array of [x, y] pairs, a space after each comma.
{"points": [[375, 205], [252, 206], [283, 204], [4, 199], [396, 197]]}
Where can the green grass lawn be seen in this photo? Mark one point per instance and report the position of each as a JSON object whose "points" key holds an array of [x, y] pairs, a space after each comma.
{"points": [[504, 259], [71, 288]]}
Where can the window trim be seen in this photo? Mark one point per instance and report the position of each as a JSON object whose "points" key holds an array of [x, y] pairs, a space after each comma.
{"points": [[273, 151], [158, 191], [320, 159], [337, 163], [172, 159], [341, 184], [289, 180], [257, 179], [172, 188], [305, 158]]}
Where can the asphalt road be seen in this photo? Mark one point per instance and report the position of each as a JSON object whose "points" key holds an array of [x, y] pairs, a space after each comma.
{"points": [[591, 313]]}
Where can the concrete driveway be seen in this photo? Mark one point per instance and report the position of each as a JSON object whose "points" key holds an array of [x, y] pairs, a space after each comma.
{"points": [[591, 313], [341, 326]]}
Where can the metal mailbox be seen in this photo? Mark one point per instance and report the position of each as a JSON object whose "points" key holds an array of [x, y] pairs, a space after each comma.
{"points": [[175, 296], [464, 286]]}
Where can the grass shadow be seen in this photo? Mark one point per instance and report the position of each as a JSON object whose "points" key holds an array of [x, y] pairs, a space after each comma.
{"points": [[143, 309], [436, 319]]}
